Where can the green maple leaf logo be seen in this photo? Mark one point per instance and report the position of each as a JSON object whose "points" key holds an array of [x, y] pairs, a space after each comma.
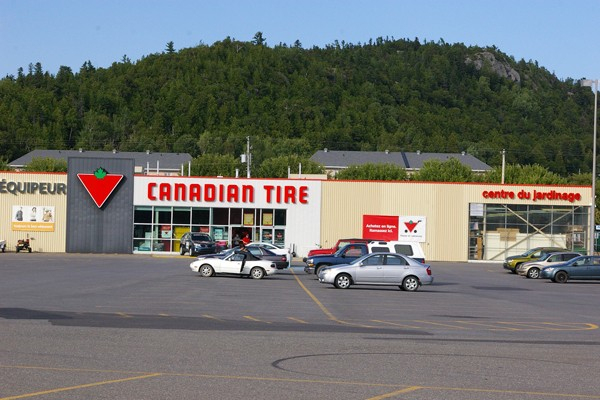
{"points": [[100, 173]]}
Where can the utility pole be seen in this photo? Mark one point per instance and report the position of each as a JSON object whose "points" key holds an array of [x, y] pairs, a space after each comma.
{"points": [[248, 157], [503, 164]]}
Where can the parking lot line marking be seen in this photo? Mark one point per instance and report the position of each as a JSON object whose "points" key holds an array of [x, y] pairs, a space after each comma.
{"points": [[440, 324], [397, 392], [294, 380], [322, 307], [65, 389], [588, 327], [513, 392], [124, 315], [255, 319], [395, 324], [211, 317], [164, 315], [490, 326], [312, 296], [297, 320]]}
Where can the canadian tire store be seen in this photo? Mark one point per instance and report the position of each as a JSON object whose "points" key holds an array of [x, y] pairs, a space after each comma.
{"points": [[453, 222]]}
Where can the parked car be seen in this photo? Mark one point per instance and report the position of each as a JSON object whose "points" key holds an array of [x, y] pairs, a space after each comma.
{"points": [[583, 267], [234, 263], [351, 252], [197, 243], [511, 263], [389, 269], [531, 269], [274, 248], [339, 244]]}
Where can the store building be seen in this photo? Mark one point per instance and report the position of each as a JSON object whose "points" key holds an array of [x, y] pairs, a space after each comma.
{"points": [[148, 214]]}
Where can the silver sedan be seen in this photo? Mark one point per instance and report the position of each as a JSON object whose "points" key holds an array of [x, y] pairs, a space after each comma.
{"points": [[384, 269]]}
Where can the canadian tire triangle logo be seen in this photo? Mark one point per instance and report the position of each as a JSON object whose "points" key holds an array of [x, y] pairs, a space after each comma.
{"points": [[100, 185]]}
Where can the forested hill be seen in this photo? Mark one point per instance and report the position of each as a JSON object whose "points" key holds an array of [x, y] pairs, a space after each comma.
{"points": [[384, 94]]}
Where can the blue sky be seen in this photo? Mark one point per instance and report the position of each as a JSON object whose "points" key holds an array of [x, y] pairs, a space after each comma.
{"points": [[563, 36]]}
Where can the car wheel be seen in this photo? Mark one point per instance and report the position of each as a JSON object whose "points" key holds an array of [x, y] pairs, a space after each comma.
{"points": [[181, 250], [533, 273], [561, 277], [206, 270], [343, 281], [410, 284], [257, 273]]}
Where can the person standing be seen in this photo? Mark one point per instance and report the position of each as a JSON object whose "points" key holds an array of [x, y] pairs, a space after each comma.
{"points": [[244, 251]]}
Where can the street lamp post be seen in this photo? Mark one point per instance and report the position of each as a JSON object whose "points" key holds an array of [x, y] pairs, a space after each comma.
{"points": [[594, 82]]}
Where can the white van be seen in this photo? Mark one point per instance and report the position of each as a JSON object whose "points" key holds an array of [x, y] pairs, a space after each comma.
{"points": [[411, 249]]}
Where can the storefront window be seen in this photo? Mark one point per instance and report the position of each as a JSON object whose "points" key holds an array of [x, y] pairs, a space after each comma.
{"points": [[236, 216], [220, 216], [200, 216], [142, 215], [497, 230], [280, 216], [159, 229]]}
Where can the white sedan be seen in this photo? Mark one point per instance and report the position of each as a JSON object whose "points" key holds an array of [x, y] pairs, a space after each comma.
{"points": [[234, 263]]}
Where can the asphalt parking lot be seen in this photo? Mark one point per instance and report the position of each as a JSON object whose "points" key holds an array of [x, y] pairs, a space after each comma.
{"points": [[140, 327]]}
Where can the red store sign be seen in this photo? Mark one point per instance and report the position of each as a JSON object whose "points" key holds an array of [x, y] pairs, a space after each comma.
{"points": [[534, 195], [229, 193]]}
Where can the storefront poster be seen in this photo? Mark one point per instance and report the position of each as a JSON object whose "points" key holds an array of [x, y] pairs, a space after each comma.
{"points": [[381, 227], [33, 218], [267, 219], [412, 229], [248, 219]]}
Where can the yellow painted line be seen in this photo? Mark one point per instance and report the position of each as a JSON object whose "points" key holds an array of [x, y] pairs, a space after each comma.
{"points": [[297, 320], [490, 326], [323, 308], [440, 324], [65, 389], [513, 392], [397, 392], [291, 380], [122, 314], [588, 327], [211, 317], [312, 296], [255, 319], [395, 324]]}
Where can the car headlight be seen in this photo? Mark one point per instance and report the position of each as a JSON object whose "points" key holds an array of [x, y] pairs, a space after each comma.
{"points": [[310, 262], [548, 269]]}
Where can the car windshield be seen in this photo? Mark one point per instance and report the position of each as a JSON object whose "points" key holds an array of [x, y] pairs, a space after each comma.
{"points": [[200, 237], [529, 252]]}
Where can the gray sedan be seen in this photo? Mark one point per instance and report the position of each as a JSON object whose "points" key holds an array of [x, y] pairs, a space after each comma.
{"points": [[384, 269]]}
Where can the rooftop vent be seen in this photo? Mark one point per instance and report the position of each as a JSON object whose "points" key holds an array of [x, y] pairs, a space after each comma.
{"points": [[147, 151], [114, 151], [80, 150], [387, 151], [418, 151], [463, 153], [326, 150]]}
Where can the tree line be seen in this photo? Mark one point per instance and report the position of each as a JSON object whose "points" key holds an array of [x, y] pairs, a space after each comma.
{"points": [[384, 94]]}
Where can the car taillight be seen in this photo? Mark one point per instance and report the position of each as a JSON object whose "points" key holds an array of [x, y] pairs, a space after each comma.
{"points": [[284, 258], [428, 270]]}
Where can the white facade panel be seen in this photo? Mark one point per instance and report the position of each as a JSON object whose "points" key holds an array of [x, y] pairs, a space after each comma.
{"points": [[301, 198]]}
